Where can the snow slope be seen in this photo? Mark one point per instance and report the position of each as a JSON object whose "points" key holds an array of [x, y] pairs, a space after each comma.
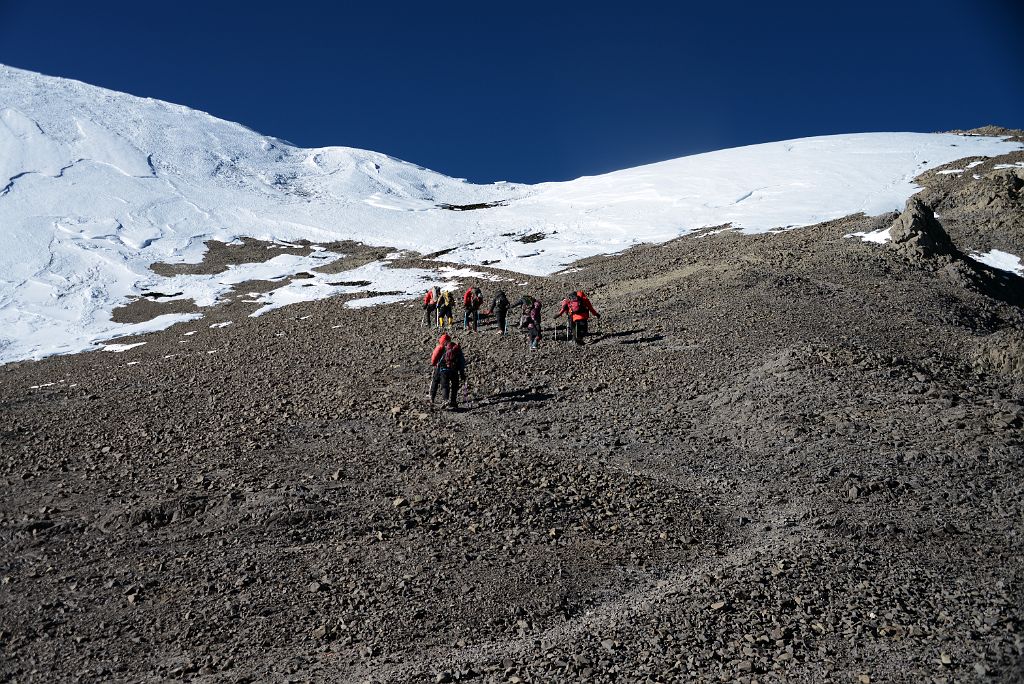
{"points": [[95, 186]]}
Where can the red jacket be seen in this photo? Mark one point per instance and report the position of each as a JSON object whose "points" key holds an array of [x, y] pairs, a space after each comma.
{"points": [[471, 300], [439, 349], [584, 313], [428, 298]]}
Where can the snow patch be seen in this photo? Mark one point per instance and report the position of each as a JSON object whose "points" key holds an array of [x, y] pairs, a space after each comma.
{"points": [[880, 236], [118, 348], [382, 283], [1004, 261]]}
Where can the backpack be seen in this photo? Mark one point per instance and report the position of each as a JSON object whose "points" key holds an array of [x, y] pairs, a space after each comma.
{"points": [[450, 358], [446, 300], [576, 305], [501, 302]]}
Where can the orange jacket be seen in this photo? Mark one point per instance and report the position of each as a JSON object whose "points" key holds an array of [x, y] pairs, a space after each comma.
{"points": [[584, 313]]}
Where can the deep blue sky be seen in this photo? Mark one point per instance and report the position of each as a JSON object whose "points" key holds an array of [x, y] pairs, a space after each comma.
{"points": [[551, 90]]}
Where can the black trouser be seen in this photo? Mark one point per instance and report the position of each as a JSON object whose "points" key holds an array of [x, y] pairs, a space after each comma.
{"points": [[499, 317], [471, 316], [450, 388], [449, 383], [444, 312], [435, 382], [428, 313], [579, 330]]}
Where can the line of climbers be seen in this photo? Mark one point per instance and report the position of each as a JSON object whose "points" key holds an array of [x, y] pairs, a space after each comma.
{"points": [[447, 361], [439, 307]]}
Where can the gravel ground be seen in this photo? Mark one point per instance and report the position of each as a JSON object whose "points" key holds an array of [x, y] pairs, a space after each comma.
{"points": [[787, 457]]}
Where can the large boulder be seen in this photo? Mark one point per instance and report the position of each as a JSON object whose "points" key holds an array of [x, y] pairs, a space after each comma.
{"points": [[919, 237]]}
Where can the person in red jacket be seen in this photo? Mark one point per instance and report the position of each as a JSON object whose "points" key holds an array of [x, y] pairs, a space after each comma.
{"points": [[435, 372], [449, 371], [578, 307], [472, 301], [430, 305]]}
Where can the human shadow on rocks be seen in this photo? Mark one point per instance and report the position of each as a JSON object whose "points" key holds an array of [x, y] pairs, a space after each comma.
{"points": [[516, 396], [644, 340], [622, 333]]}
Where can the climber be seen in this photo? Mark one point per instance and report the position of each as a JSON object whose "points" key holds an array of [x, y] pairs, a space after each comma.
{"points": [[578, 307], [449, 371], [430, 305], [499, 309], [472, 301], [533, 324], [445, 305]]}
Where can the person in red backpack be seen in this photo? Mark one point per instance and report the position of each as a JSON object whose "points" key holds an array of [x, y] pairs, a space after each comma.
{"points": [[435, 372], [450, 372], [430, 305], [472, 301], [578, 307]]}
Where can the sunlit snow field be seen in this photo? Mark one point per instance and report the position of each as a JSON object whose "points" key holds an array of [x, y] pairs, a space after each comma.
{"points": [[96, 186]]}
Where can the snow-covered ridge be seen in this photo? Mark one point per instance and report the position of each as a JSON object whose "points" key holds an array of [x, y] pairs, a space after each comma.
{"points": [[95, 186]]}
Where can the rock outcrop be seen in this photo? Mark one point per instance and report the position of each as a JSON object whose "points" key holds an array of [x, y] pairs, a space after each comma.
{"points": [[919, 237]]}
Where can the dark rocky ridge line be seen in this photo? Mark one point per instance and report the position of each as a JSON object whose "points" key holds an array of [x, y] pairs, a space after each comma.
{"points": [[793, 456]]}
